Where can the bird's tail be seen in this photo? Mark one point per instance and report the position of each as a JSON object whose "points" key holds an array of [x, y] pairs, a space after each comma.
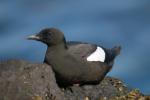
{"points": [[112, 53], [116, 50]]}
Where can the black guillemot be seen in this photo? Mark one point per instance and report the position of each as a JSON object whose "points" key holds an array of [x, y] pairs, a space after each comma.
{"points": [[75, 62]]}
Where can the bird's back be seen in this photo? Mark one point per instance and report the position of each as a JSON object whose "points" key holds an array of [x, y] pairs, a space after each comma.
{"points": [[83, 50]]}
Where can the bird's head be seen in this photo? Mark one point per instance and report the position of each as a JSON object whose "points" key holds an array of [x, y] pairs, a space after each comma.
{"points": [[49, 36]]}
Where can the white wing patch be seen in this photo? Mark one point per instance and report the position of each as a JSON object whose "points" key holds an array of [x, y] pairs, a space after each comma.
{"points": [[97, 55]]}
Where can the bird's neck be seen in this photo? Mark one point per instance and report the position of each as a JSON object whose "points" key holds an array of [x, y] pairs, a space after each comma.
{"points": [[54, 53], [58, 47]]}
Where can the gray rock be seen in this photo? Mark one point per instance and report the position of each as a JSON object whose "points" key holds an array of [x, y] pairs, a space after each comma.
{"points": [[21, 80]]}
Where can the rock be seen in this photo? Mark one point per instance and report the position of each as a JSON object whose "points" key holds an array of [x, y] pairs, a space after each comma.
{"points": [[108, 88], [21, 80]]}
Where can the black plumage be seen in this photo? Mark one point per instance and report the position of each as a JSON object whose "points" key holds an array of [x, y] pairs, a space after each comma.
{"points": [[69, 59]]}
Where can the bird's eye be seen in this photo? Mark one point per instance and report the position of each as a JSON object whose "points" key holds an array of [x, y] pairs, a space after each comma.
{"points": [[48, 34]]}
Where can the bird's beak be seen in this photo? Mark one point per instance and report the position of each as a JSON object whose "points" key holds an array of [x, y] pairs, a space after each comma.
{"points": [[33, 37]]}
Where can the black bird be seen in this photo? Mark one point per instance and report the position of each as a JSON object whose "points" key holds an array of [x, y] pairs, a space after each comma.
{"points": [[75, 62]]}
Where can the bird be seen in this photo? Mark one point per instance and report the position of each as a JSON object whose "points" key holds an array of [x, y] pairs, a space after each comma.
{"points": [[75, 62]]}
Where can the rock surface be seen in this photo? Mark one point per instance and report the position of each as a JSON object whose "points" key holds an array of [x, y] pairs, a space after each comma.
{"points": [[21, 80]]}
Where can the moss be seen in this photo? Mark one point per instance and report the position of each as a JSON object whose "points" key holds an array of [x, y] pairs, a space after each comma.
{"points": [[133, 95]]}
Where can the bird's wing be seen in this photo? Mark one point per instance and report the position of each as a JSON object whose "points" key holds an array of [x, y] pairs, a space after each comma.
{"points": [[80, 49]]}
